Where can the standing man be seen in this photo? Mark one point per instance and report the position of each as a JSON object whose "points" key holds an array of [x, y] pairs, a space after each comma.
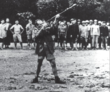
{"points": [[89, 30], [84, 35], [95, 32], [103, 35], [29, 29], [74, 33], [7, 28], [2, 33], [62, 34], [17, 31], [45, 48]]}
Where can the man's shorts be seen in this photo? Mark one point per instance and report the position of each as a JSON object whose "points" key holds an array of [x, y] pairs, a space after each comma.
{"points": [[29, 37], [17, 37], [62, 37], [44, 52]]}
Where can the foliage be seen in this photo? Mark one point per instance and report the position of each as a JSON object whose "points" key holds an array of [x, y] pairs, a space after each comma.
{"points": [[86, 9]]}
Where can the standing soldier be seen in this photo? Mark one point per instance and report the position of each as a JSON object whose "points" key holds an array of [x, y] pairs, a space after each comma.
{"points": [[29, 29], [45, 48], [8, 37], [17, 33]]}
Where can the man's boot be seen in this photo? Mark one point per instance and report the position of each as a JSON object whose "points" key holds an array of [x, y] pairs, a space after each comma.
{"points": [[35, 80], [57, 80]]}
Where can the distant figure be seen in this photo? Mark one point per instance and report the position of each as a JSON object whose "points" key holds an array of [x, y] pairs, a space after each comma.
{"points": [[73, 33], [104, 33], [2, 33], [29, 29], [62, 34], [8, 37], [17, 31], [95, 32], [84, 35]]}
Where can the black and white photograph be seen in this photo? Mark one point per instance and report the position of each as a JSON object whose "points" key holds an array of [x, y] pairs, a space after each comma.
{"points": [[54, 45]]}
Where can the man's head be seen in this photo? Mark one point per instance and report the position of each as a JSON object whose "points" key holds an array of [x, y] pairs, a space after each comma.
{"points": [[79, 21], [95, 22], [108, 24], [30, 21], [2, 21], [7, 20], [83, 23], [87, 22], [39, 22], [90, 21], [62, 23], [68, 23], [73, 21], [16, 22]]}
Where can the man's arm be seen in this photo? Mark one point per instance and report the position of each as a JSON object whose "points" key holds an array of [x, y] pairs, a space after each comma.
{"points": [[11, 29], [56, 17], [22, 29]]}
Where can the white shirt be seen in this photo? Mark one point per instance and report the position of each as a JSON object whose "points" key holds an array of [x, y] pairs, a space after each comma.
{"points": [[17, 28], [29, 28], [2, 31], [95, 30], [83, 31]]}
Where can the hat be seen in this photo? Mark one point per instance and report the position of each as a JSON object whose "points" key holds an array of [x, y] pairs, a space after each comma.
{"points": [[95, 20], [87, 21], [83, 21], [38, 21], [91, 20], [62, 23], [72, 19]]}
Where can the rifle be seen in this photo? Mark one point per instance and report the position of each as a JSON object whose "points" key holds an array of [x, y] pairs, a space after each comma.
{"points": [[54, 17]]}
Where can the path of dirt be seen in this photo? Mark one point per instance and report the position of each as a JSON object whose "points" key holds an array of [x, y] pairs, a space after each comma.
{"points": [[84, 71]]}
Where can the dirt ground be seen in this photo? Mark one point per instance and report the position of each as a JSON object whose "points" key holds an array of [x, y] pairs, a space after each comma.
{"points": [[83, 71]]}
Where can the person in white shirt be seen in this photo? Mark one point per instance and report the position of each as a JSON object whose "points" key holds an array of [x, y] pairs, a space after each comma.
{"points": [[29, 30], [17, 33], [84, 34], [95, 32], [2, 33]]}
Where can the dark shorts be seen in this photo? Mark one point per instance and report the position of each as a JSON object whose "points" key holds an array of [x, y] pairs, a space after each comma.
{"points": [[44, 52], [62, 37], [75, 39]]}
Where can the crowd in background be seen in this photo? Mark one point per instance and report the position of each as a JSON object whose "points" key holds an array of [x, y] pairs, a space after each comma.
{"points": [[80, 34]]}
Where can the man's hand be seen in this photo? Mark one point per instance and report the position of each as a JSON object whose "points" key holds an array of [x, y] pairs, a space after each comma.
{"points": [[71, 36], [57, 16]]}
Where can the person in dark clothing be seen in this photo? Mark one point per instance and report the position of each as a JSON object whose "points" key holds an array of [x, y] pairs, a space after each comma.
{"points": [[73, 32], [103, 35], [8, 37], [45, 48]]}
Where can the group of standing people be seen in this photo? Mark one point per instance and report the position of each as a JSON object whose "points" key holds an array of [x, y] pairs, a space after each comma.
{"points": [[5, 33], [79, 34]]}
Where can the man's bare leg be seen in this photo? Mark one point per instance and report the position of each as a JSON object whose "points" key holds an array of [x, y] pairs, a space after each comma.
{"points": [[54, 69], [35, 80]]}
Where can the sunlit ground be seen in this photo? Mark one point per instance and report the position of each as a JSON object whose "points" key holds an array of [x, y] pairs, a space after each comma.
{"points": [[83, 71]]}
